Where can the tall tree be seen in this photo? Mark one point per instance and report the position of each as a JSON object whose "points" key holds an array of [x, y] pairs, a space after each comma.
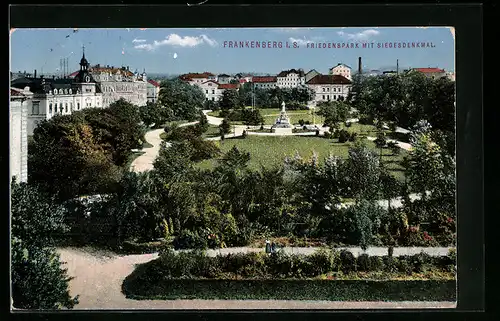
{"points": [[230, 100], [38, 279], [183, 99], [334, 112], [362, 172]]}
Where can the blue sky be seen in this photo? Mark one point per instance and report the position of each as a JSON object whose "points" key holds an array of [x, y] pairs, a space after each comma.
{"points": [[176, 51]]}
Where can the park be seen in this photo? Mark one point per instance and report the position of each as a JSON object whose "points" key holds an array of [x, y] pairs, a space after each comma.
{"points": [[179, 178]]}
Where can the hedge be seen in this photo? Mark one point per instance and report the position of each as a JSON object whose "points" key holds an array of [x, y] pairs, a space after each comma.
{"points": [[336, 290]]}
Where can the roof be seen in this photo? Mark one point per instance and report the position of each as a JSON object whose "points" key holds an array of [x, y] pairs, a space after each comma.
{"points": [[112, 70], [213, 81], [154, 83], [329, 79], [17, 92], [223, 75], [285, 73], [228, 86], [341, 64], [311, 71], [195, 75], [264, 79], [40, 86], [429, 70], [242, 81]]}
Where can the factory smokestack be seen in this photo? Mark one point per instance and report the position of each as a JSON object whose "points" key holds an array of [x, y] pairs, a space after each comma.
{"points": [[359, 65], [35, 74]]}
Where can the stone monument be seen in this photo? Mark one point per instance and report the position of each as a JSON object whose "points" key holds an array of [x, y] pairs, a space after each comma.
{"points": [[282, 124]]}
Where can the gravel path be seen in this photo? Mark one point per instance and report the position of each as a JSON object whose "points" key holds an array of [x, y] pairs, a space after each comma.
{"points": [[146, 160], [98, 279]]}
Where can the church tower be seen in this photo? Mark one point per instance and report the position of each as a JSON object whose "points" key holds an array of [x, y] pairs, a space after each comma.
{"points": [[84, 73]]}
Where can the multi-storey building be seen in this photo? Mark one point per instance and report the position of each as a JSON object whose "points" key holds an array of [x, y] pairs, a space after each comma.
{"points": [[210, 89], [153, 91], [265, 82], [342, 70], [20, 103], [311, 74], [431, 72], [224, 79], [116, 83], [53, 96], [291, 78], [329, 87]]}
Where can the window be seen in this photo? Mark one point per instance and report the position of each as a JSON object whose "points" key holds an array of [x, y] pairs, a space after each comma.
{"points": [[335, 89], [206, 91], [328, 89], [50, 108], [61, 108], [213, 98], [66, 107], [78, 106], [323, 97], [323, 89], [335, 97], [213, 91], [35, 108]]}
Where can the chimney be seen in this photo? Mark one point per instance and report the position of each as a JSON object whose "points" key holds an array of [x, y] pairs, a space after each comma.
{"points": [[397, 66], [128, 68], [359, 65], [35, 74]]}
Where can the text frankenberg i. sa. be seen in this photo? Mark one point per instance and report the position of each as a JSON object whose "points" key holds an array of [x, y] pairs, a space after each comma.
{"points": [[327, 45]]}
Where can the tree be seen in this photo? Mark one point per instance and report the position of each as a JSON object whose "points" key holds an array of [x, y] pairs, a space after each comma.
{"points": [[252, 117], [380, 142], [151, 113], [203, 122], [38, 280], [362, 172], [230, 100], [184, 100], [69, 158], [334, 112], [368, 217], [225, 127]]}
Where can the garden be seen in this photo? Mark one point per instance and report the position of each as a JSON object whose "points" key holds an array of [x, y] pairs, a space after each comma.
{"points": [[325, 275]]}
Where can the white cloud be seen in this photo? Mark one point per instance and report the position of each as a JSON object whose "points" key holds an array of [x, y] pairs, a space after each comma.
{"points": [[364, 35], [179, 41], [138, 40], [301, 42]]}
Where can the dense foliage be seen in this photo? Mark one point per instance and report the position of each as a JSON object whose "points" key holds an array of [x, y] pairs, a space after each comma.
{"points": [[182, 100], [83, 153], [38, 279]]}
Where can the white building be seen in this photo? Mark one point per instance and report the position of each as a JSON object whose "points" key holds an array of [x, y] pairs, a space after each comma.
{"points": [[224, 79], [20, 103], [52, 96], [266, 82], [342, 70], [116, 83], [211, 90], [153, 91], [291, 78], [329, 87]]}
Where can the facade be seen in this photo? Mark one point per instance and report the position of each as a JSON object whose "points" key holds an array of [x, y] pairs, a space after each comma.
{"points": [[20, 103], [224, 79], [211, 90], [52, 96], [311, 74], [116, 83], [291, 78], [246, 77], [431, 72], [342, 70], [196, 78], [266, 82], [329, 87], [153, 91]]}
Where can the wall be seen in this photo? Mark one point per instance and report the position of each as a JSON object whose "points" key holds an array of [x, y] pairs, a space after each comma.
{"points": [[19, 139]]}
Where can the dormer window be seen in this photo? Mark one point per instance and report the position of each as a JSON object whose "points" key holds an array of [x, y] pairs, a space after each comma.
{"points": [[55, 91]]}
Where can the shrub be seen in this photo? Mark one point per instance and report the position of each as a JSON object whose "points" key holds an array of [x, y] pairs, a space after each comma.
{"points": [[391, 264], [244, 134], [327, 135], [301, 122], [353, 137], [404, 265], [395, 149], [363, 263], [189, 240], [343, 136], [317, 132], [348, 124], [347, 262], [307, 122], [322, 261]]}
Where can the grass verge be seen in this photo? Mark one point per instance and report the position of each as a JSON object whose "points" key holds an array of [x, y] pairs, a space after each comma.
{"points": [[330, 290]]}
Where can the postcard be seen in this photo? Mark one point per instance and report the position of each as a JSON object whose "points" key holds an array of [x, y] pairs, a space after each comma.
{"points": [[233, 168]]}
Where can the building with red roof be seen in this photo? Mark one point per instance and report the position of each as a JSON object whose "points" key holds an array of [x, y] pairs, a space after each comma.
{"points": [[431, 72], [153, 90], [265, 81], [329, 87]]}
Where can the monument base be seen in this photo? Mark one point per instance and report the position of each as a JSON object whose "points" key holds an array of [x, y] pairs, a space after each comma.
{"points": [[282, 130]]}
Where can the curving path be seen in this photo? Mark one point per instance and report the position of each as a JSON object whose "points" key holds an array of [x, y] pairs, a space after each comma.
{"points": [[145, 161], [98, 280]]}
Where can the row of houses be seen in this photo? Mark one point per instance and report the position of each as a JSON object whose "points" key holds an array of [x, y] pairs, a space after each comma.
{"points": [[91, 86]]}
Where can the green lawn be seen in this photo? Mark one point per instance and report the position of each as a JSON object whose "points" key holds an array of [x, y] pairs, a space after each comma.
{"points": [[270, 151], [270, 115], [213, 131]]}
